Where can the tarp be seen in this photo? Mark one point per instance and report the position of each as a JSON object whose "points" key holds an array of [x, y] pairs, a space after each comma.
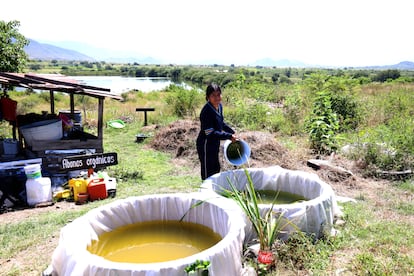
{"points": [[71, 256], [313, 216]]}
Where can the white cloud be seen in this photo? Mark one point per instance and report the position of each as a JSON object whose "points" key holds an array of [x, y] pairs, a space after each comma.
{"points": [[327, 32]]}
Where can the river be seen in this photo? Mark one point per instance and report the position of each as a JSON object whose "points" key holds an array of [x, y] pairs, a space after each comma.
{"points": [[119, 85]]}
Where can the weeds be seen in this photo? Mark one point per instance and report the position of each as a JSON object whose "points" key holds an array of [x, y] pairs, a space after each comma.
{"points": [[198, 268], [369, 243]]}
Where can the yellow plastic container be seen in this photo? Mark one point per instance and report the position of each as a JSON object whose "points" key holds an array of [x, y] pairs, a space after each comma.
{"points": [[62, 194], [78, 186]]}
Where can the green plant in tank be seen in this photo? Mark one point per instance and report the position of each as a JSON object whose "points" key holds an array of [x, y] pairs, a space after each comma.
{"points": [[267, 225], [199, 267]]}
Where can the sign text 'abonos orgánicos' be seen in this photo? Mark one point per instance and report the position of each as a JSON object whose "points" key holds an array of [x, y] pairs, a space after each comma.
{"points": [[89, 161]]}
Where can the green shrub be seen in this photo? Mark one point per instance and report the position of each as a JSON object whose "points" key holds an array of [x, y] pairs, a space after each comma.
{"points": [[391, 74], [386, 147], [183, 101], [276, 121], [293, 113], [322, 124], [27, 104], [347, 108], [249, 115]]}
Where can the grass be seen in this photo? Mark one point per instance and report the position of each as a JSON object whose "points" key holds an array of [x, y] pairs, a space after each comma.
{"points": [[141, 170], [16, 237], [375, 239], [366, 244], [382, 246]]}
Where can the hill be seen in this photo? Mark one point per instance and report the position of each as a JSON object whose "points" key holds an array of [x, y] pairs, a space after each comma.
{"points": [[76, 51], [41, 51], [404, 65], [107, 55]]}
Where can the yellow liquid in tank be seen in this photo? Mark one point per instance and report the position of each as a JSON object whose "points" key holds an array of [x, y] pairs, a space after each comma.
{"points": [[277, 197], [154, 241]]}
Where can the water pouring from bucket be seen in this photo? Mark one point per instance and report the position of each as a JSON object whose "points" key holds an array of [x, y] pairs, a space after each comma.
{"points": [[236, 153]]}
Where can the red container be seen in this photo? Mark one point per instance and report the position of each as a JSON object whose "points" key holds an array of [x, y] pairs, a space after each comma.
{"points": [[265, 257], [8, 109], [82, 198], [97, 189]]}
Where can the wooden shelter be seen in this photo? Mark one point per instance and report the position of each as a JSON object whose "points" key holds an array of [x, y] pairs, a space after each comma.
{"points": [[60, 83]]}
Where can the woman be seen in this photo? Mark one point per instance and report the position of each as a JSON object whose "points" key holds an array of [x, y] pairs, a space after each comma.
{"points": [[213, 129]]}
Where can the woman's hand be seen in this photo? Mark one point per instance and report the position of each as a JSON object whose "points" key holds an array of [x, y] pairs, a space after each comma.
{"points": [[234, 138]]}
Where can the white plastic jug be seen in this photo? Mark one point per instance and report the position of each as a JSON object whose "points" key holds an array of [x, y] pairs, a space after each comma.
{"points": [[38, 190]]}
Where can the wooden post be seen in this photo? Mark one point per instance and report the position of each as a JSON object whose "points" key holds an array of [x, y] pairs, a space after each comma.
{"points": [[145, 109], [100, 118], [52, 102]]}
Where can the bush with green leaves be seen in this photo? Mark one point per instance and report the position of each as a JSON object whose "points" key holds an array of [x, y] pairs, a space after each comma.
{"points": [[385, 75], [322, 124], [13, 58], [388, 144], [344, 102], [28, 104], [183, 101], [386, 148], [249, 115], [293, 113], [347, 108]]}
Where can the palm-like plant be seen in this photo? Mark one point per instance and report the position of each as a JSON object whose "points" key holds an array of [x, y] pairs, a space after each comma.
{"points": [[267, 225]]}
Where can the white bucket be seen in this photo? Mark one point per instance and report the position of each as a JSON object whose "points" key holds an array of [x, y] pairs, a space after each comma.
{"points": [[38, 190], [236, 153], [33, 171], [48, 130]]}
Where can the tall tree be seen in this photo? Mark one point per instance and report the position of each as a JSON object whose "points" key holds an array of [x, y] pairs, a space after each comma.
{"points": [[13, 58]]}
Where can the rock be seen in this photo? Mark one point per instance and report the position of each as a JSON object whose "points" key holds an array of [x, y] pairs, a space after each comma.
{"points": [[248, 271], [344, 199], [340, 222], [44, 204], [319, 164], [395, 175]]}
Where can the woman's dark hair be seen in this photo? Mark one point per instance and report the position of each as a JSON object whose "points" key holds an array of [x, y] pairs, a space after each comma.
{"points": [[212, 87]]}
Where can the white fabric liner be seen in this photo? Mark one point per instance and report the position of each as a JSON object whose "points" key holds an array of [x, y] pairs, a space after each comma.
{"points": [[313, 216], [72, 258]]}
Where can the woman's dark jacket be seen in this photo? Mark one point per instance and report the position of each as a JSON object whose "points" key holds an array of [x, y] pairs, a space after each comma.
{"points": [[213, 129]]}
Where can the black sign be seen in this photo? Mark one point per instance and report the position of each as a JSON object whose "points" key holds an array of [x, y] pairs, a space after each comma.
{"points": [[79, 162]]}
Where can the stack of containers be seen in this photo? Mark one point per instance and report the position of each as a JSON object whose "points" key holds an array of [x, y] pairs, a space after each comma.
{"points": [[95, 187], [38, 188]]}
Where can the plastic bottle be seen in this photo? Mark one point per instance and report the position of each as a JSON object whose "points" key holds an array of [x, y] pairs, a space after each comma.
{"points": [[38, 188]]}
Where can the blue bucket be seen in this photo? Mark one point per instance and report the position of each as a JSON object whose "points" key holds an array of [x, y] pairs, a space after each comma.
{"points": [[236, 153]]}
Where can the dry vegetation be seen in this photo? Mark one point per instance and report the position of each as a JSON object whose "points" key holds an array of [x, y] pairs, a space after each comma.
{"points": [[179, 139]]}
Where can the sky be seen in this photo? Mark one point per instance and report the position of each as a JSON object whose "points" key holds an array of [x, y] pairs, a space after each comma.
{"points": [[315, 32]]}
